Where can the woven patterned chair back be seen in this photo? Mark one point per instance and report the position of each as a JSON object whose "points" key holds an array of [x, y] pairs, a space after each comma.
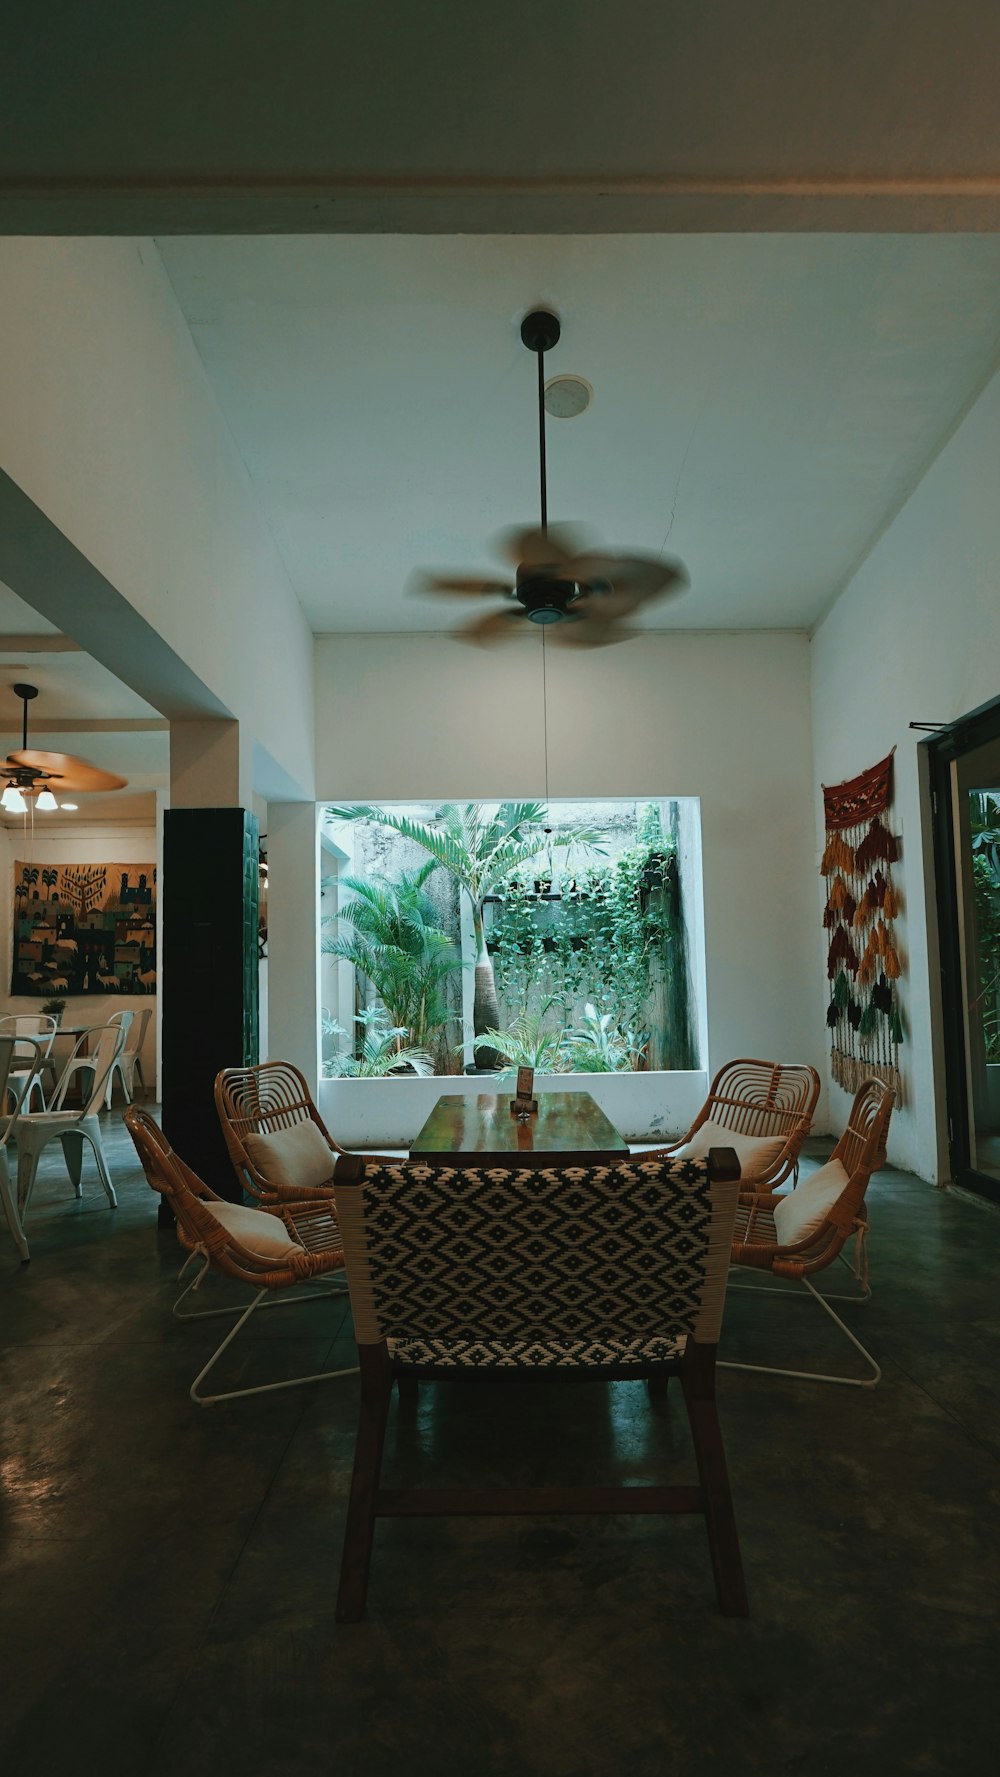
{"points": [[577, 1253], [760, 1098]]}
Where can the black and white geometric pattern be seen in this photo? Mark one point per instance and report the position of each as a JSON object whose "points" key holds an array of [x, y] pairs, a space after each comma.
{"points": [[533, 1354], [575, 1264]]}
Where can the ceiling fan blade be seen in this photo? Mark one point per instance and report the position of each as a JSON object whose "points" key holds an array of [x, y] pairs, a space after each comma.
{"points": [[637, 579], [65, 771], [595, 632], [494, 628], [458, 585], [528, 546]]}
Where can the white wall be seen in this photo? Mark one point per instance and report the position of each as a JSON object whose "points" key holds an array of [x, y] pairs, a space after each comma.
{"points": [[914, 637], [69, 844], [109, 425], [721, 717]]}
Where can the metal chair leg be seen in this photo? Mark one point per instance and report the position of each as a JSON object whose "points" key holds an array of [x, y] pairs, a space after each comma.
{"points": [[290, 1301], [10, 1211], [870, 1381]]}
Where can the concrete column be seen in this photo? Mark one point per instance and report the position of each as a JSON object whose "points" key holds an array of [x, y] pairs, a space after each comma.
{"points": [[211, 765], [209, 971], [293, 935]]}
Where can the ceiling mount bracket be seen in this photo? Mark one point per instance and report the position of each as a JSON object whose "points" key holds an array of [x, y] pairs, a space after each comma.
{"points": [[540, 330]]}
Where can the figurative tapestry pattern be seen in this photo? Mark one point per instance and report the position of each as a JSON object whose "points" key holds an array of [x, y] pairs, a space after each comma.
{"points": [[84, 928], [863, 961]]}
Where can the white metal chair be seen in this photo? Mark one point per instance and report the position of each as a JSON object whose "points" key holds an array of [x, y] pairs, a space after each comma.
{"points": [[129, 1062], [82, 1061], [35, 1033], [8, 1048], [33, 1130]]}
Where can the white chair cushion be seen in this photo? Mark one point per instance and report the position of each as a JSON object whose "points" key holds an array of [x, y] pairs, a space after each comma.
{"points": [[296, 1158], [756, 1153], [261, 1234], [804, 1211]]}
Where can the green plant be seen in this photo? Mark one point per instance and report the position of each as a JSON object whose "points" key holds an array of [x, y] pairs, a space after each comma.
{"points": [[598, 1046], [481, 851], [526, 1044], [382, 1050], [608, 939], [54, 1007], [395, 943], [985, 811]]}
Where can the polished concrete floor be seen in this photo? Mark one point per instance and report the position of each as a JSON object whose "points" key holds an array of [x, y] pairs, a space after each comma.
{"points": [[168, 1573]]}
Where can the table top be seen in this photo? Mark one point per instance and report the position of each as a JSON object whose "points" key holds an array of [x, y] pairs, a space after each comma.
{"points": [[480, 1130]]}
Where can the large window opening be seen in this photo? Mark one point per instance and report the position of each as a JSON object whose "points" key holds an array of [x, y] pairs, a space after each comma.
{"points": [[478, 937]]}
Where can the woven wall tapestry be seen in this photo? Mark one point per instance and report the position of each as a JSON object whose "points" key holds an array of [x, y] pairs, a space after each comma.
{"points": [[84, 928], [862, 905]]}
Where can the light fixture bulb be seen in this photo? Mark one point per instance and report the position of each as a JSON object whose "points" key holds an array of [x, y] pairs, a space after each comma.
{"points": [[70, 806], [46, 801], [12, 800]]}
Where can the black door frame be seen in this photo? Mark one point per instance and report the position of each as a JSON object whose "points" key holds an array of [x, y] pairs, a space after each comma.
{"points": [[977, 729]]}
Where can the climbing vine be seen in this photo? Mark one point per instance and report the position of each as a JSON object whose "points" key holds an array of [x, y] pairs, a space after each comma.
{"points": [[599, 942]]}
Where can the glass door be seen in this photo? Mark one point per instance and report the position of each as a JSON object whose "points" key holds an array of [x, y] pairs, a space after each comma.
{"points": [[978, 852], [965, 779]]}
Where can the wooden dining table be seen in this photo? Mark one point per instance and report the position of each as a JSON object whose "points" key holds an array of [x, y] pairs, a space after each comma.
{"points": [[482, 1130]]}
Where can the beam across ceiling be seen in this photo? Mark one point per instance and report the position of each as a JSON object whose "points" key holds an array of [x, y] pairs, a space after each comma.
{"points": [[573, 117]]}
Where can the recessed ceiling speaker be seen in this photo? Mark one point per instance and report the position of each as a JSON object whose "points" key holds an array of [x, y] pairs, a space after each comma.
{"points": [[567, 396]]}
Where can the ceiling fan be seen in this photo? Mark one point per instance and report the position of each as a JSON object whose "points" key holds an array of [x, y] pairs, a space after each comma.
{"points": [[33, 776], [558, 580]]}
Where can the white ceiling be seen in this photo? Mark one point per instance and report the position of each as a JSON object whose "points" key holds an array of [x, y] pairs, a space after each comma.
{"points": [[764, 402], [80, 708]]}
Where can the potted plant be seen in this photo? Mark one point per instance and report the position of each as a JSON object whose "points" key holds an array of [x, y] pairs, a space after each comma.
{"points": [[54, 1008]]}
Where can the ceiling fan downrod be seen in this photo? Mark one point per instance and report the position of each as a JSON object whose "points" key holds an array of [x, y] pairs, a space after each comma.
{"points": [[540, 331], [26, 693]]}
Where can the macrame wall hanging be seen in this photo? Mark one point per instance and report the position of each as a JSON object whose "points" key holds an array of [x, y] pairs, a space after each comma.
{"points": [[862, 904]]}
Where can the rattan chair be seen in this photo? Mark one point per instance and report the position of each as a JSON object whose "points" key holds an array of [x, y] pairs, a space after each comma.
{"points": [[263, 1100], [295, 1243], [590, 1271], [826, 1211], [761, 1099]]}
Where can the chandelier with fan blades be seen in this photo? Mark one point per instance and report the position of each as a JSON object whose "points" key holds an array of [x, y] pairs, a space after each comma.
{"points": [[33, 777]]}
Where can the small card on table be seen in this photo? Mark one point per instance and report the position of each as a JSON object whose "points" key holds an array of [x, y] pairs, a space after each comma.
{"points": [[525, 1100]]}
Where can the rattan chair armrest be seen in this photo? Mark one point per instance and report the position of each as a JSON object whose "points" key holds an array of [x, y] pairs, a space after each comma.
{"points": [[761, 1199], [273, 1196]]}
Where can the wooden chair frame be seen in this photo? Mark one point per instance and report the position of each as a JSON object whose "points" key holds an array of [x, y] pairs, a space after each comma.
{"points": [[381, 1367], [312, 1223], [861, 1151], [761, 1098]]}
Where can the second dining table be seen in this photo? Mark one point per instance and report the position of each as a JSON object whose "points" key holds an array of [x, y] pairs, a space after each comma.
{"points": [[482, 1130]]}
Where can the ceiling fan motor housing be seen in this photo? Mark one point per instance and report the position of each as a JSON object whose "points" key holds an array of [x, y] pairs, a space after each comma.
{"points": [[545, 599]]}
